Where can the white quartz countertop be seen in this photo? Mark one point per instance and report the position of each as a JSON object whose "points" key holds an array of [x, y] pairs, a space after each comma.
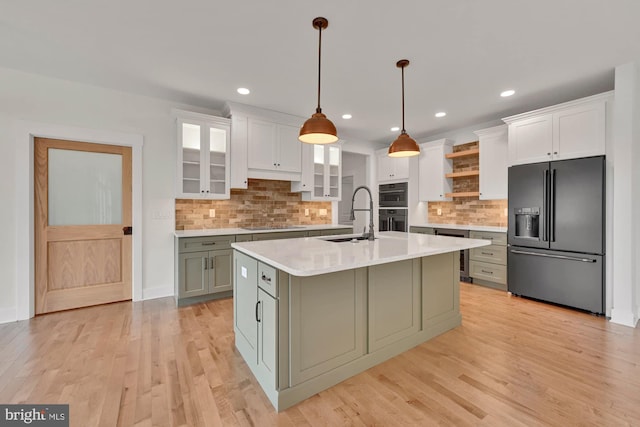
{"points": [[233, 231], [462, 227], [310, 256]]}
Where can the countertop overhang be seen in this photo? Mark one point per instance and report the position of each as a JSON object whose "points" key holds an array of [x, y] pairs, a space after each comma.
{"points": [[310, 256]]}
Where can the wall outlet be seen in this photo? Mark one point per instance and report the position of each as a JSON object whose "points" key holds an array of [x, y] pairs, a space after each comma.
{"points": [[439, 211], [212, 213], [322, 212], [306, 212]]}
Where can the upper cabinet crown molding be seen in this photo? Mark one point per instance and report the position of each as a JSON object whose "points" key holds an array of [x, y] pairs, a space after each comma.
{"points": [[232, 108], [605, 96]]}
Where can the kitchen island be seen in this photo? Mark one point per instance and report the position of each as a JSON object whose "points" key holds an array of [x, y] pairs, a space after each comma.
{"points": [[310, 312]]}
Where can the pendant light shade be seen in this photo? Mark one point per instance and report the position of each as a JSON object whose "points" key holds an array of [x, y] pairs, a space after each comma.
{"points": [[404, 145], [318, 129]]}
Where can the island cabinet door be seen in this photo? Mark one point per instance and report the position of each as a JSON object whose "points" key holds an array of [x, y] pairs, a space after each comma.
{"points": [[328, 322], [267, 339], [394, 302], [440, 291], [245, 306]]}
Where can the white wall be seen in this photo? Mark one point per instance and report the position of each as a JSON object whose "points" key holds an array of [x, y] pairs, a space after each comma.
{"points": [[7, 219], [45, 100], [626, 194]]}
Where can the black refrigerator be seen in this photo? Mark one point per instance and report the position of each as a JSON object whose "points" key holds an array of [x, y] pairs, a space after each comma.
{"points": [[556, 232]]}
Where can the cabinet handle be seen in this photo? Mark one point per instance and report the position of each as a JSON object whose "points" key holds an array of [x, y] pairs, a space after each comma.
{"points": [[488, 272], [206, 263], [257, 311], [487, 253], [208, 243], [213, 263], [265, 278]]}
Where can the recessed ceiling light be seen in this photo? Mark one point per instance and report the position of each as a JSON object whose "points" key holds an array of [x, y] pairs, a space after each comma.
{"points": [[507, 93], [441, 114], [346, 116], [243, 91], [395, 129]]}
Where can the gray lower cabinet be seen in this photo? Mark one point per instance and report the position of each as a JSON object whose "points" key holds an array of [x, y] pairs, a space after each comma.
{"points": [[488, 264], [328, 322], [302, 334], [255, 314], [393, 302], [203, 268], [330, 232]]}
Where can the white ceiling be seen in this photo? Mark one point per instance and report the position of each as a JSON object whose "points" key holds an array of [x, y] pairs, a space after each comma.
{"points": [[463, 53]]}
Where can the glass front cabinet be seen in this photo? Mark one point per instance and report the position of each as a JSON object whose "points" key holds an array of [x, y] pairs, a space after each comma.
{"points": [[203, 144], [321, 173]]}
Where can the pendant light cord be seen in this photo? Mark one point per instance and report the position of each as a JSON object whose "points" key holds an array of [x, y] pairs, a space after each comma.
{"points": [[318, 109], [403, 130]]}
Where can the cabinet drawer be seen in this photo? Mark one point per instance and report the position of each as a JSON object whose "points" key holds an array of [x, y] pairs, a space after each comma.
{"points": [[492, 253], [268, 279], [422, 230], [496, 238], [209, 243], [490, 272]]}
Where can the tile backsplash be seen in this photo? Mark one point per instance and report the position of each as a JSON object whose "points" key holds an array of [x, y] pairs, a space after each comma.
{"points": [[263, 203], [468, 210]]}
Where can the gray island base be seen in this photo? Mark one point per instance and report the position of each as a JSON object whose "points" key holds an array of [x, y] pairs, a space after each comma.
{"points": [[303, 333]]}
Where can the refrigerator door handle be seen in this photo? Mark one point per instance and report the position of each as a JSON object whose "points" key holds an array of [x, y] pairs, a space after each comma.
{"points": [[552, 207], [545, 197], [570, 258]]}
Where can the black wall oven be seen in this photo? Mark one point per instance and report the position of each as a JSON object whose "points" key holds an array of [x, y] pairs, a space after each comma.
{"points": [[393, 195], [392, 219]]}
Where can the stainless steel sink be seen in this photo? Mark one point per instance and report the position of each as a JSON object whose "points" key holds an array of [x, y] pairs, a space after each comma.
{"points": [[346, 239]]}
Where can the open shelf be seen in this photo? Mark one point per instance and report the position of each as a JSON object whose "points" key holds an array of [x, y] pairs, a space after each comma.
{"points": [[472, 152], [462, 174], [465, 194]]}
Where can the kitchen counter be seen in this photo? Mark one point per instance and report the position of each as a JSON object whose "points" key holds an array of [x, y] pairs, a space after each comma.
{"points": [[315, 255], [235, 231], [309, 313], [471, 227]]}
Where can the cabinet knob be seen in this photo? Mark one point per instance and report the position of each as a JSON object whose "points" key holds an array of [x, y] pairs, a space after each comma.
{"points": [[548, 154], [555, 152], [265, 278]]}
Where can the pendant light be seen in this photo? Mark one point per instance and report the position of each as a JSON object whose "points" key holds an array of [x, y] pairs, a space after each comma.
{"points": [[318, 129], [404, 145]]}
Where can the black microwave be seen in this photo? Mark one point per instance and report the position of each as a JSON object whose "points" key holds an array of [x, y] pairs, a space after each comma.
{"points": [[393, 195]]}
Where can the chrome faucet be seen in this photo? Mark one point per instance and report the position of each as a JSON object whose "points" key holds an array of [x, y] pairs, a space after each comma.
{"points": [[370, 236]]}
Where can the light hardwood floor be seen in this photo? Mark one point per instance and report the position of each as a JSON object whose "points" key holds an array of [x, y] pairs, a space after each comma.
{"points": [[512, 362]]}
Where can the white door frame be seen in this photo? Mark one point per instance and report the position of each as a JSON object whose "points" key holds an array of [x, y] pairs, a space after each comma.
{"points": [[25, 132]]}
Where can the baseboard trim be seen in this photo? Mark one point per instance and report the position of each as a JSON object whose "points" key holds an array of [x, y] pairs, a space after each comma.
{"points": [[158, 292], [8, 315], [624, 317]]}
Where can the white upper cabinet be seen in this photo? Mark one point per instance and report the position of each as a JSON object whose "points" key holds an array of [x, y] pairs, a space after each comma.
{"points": [[566, 131], [433, 166], [391, 168], [321, 173], [264, 145], [493, 162], [203, 144], [273, 147]]}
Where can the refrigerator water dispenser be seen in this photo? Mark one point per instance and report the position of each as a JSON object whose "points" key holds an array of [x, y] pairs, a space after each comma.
{"points": [[527, 222]]}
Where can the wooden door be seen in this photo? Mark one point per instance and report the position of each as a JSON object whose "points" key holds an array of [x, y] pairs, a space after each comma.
{"points": [[82, 209]]}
